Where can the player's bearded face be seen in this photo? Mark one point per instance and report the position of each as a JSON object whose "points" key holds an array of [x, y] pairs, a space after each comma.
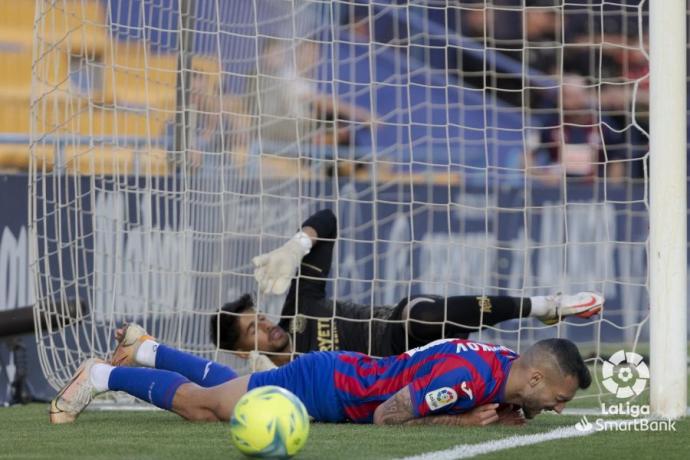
{"points": [[550, 393], [531, 409]]}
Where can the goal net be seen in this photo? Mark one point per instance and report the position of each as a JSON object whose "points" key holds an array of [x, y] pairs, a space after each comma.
{"points": [[467, 148]]}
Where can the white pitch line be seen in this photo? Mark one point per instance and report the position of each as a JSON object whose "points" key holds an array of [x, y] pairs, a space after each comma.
{"points": [[579, 412], [470, 450]]}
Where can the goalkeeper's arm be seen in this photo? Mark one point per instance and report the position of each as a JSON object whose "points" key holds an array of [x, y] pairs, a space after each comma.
{"points": [[274, 270]]}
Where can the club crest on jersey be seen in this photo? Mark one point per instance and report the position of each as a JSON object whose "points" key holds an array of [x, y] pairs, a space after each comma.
{"points": [[298, 325], [440, 398]]}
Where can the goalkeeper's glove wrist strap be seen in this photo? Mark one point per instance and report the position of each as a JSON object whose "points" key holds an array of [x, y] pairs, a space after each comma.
{"points": [[304, 240]]}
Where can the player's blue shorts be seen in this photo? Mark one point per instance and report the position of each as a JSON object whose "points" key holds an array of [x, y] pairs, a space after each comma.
{"points": [[310, 377]]}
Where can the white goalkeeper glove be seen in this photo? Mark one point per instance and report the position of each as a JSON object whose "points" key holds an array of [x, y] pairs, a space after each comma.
{"points": [[274, 270], [260, 362]]}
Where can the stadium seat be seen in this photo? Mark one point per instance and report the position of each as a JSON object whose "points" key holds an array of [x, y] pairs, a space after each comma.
{"points": [[15, 116], [16, 66], [18, 14], [134, 76], [84, 19], [15, 157], [109, 160], [103, 160]]}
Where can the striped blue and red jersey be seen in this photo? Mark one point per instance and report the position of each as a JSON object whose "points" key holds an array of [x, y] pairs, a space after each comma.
{"points": [[449, 376]]}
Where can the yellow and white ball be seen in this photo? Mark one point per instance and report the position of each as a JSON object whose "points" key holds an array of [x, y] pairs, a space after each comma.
{"points": [[269, 422]]}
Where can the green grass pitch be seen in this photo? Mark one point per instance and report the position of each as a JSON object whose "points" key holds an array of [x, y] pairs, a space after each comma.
{"points": [[26, 434]]}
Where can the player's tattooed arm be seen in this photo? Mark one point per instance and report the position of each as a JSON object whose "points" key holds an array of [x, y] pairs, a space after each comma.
{"points": [[397, 410]]}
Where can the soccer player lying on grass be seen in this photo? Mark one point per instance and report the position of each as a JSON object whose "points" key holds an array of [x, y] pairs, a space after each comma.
{"points": [[447, 382], [414, 322]]}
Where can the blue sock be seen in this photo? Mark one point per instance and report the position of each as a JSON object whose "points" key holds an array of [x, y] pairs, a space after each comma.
{"points": [[201, 371], [153, 385]]}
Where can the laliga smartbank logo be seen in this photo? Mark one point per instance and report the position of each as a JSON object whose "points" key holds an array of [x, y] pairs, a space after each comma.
{"points": [[625, 375]]}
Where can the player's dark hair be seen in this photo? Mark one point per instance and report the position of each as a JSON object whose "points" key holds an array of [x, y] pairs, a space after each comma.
{"points": [[567, 357], [226, 333]]}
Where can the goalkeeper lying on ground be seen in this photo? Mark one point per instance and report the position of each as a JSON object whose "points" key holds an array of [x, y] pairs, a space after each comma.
{"points": [[449, 382], [414, 322]]}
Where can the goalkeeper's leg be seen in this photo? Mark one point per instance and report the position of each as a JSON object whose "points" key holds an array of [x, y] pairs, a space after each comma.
{"points": [[433, 317], [137, 348]]}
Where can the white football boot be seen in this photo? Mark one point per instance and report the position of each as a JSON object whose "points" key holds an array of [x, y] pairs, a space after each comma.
{"points": [[76, 395], [583, 305]]}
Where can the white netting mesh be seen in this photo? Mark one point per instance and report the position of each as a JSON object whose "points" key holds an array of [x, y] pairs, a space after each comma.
{"points": [[468, 147]]}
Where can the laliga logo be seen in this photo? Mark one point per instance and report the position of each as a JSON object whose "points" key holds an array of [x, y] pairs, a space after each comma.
{"points": [[444, 397], [628, 364]]}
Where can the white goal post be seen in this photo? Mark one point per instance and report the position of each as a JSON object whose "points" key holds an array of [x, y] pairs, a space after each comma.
{"points": [[474, 147], [668, 265]]}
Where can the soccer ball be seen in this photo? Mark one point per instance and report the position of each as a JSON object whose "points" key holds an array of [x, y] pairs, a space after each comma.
{"points": [[269, 422]]}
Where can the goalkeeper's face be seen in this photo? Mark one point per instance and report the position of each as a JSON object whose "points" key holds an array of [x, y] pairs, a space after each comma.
{"points": [[258, 332]]}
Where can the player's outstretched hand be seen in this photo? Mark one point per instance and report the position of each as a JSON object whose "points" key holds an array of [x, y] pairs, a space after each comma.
{"points": [[274, 270], [481, 416], [510, 415]]}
